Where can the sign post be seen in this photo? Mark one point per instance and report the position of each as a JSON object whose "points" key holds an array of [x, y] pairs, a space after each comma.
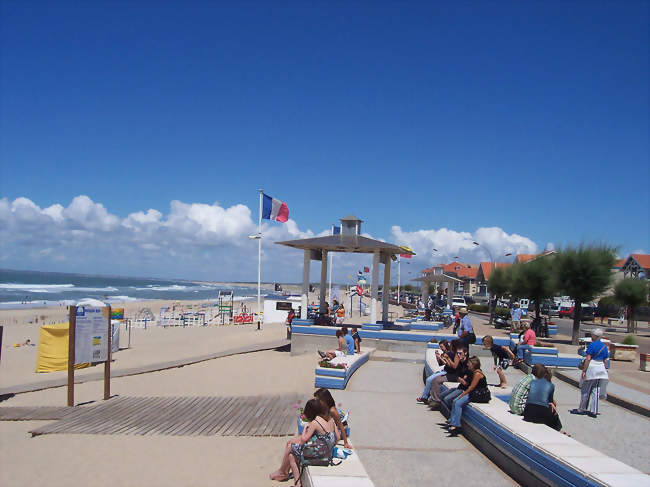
{"points": [[72, 316], [89, 340]]}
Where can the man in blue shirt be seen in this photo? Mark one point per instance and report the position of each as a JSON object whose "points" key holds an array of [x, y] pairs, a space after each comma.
{"points": [[348, 340], [465, 329]]}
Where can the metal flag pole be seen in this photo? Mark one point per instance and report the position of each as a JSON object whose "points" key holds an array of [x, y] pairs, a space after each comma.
{"points": [[259, 261], [399, 268], [330, 271]]}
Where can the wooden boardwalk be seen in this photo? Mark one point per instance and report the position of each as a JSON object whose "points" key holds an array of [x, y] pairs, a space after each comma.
{"points": [[182, 416], [33, 413]]}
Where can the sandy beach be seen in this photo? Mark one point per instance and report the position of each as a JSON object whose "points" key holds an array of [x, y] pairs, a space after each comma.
{"points": [[149, 460]]}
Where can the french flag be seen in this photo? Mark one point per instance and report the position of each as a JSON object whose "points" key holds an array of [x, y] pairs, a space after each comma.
{"points": [[273, 209]]}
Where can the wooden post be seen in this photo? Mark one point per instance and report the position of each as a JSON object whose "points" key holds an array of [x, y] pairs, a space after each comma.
{"points": [[72, 321], [107, 364]]}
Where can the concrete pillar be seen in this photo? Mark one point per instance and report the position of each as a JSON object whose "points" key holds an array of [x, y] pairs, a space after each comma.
{"points": [[425, 292], [323, 279], [304, 297], [374, 292], [385, 297]]}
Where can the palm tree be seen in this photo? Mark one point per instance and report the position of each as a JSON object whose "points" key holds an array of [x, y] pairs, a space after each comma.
{"points": [[583, 273], [631, 293]]}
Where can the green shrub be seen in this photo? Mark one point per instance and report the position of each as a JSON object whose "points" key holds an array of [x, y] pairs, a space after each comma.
{"points": [[479, 308], [502, 312], [630, 340]]}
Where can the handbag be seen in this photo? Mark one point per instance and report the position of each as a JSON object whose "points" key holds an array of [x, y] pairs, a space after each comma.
{"points": [[581, 365], [471, 337], [316, 452], [480, 395]]}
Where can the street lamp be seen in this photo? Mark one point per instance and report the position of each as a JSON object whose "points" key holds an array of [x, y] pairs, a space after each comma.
{"points": [[491, 270]]}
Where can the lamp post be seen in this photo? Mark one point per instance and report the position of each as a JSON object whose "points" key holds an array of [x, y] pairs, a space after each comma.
{"points": [[492, 267], [491, 270]]}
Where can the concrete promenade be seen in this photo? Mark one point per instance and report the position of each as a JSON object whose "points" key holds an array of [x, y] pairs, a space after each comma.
{"points": [[398, 440]]}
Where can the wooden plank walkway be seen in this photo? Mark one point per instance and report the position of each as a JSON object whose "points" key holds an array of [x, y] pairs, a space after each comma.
{"points": [[31, 413], [178, 416]]}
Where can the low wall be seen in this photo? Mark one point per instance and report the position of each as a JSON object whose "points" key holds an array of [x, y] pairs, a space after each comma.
{"points": [[536, 455]]}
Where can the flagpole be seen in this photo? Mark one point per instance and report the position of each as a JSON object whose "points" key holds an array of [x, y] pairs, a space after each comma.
{"points": [[259, 261], [399, 268], [331, 259]]}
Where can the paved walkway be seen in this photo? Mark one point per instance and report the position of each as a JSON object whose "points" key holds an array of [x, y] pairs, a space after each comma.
{"points": [[617, 432], [628, 387], [398, 440]]}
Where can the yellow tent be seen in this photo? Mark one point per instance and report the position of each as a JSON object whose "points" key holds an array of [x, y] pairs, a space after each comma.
{"points": [[53, 349]]}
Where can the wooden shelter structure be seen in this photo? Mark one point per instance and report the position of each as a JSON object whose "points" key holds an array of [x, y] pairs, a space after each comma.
{"points": [[437, 279], [349, 240]]}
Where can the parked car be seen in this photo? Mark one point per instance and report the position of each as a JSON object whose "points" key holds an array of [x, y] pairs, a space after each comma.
{"points": [[587, 313], [458, 302], [565, 311]]}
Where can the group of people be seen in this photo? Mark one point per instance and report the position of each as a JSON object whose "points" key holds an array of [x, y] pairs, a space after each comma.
{"points": [[457, 367], [324, 429], [328, 315], [348, 344], [532, 397]]}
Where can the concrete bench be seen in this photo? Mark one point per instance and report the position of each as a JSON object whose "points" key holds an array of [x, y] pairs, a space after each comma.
{"points": [[534, 454], [350, 473], [331, 378]]}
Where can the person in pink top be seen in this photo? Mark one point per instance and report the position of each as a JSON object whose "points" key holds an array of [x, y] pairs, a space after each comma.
{"points": [[528, 337]]}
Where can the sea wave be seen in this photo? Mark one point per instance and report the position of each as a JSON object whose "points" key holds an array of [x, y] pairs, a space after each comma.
{"points": [[54, 288], [173, 287]]}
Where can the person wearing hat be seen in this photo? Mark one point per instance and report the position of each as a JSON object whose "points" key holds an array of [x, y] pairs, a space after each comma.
{"points": [[593, 382], [515, 316], [465, 330]]}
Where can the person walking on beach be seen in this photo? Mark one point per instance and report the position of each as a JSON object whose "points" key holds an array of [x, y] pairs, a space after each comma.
{"points": [[593, 382]]}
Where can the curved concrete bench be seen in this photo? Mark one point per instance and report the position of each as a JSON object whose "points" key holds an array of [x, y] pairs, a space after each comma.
{"points": [[338, 378], [350, 473], [534, 454]]}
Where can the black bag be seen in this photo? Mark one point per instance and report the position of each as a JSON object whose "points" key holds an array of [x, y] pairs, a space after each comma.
{"points": [[480, 395], [471, 337]]}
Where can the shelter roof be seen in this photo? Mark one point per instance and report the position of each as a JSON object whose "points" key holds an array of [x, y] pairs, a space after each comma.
{"points": [[345, 243], [351, 218]]}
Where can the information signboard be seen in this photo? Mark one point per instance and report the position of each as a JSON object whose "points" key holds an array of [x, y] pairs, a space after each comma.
{"points": [[91, 335]]}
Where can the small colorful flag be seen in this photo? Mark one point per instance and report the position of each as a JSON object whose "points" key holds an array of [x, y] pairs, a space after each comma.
{"points": [[273, 209], [336, 230], [408, 249]]}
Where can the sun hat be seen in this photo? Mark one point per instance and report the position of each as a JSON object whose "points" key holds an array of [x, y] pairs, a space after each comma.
{"points": [[597, 331], [463, 311]]}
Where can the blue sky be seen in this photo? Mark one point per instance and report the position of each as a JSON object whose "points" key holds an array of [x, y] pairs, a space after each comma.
{"points": [[530, 119]]}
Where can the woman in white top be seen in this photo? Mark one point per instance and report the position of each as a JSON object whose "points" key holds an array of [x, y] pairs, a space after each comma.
{"points": [[593, 383]]}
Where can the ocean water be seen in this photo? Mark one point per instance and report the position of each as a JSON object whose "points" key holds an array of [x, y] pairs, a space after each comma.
{"points": [[26, 289]]}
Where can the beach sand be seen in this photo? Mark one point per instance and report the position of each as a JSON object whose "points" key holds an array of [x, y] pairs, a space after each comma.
{"points": [[62, 459]]}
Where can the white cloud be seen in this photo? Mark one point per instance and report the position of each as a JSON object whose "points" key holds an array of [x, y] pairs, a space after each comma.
{"points": [[451, 244], [204, 241]]}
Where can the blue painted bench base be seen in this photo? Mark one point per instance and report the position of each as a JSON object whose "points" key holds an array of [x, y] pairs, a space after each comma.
{"points": [[519, 456], [338, 378]]}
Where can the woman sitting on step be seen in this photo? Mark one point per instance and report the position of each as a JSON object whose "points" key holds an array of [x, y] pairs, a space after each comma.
{"points": [[472, 389], [319, 428]]}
